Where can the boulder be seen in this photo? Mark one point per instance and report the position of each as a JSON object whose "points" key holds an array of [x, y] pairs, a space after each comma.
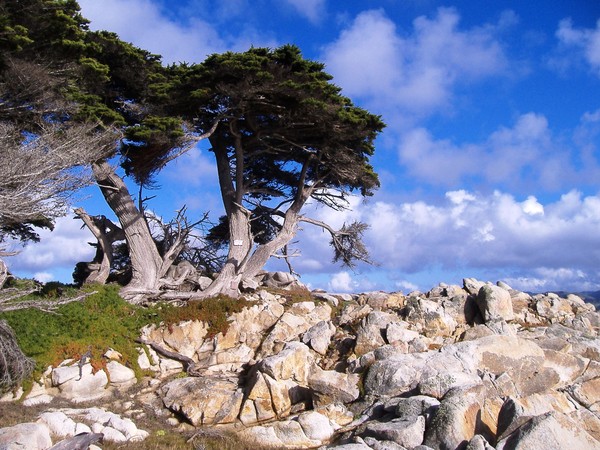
{"points": [[31, 436], [405, 432], [472, 286], [203, 401], [120, 376], [370, 332], [417, 405], [285, 434], [456, 420], [316, 426], [478, 442], [494, 303], [59, 423], [294, 362], [552, 430], [293, 323], [429, 317], [91, 386], [438, 385], [330, 386], [319, 336], [258, 406]]}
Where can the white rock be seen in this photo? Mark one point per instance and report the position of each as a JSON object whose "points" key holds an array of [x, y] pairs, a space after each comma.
{"points": [[407, 433], [112, 435], [119, 375], [89, 387], [112, 354], [59, 423], [43, 399], [552, 430], [495, 303], [319, 336], [25, 436], [63, 374], [315, 426]]}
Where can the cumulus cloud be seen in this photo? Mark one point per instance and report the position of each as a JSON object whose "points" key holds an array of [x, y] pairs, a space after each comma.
{"points": [[415, 71], [143, 23], [342, 282], [519, 157], [57, 250], [529, 242], [585, 41]]}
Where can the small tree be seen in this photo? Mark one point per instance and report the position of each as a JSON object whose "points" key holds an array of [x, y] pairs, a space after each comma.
{"points": [[285, 135]]}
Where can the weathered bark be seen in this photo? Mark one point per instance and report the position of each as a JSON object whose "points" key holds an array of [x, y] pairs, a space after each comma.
{"points": [[3, 273], [242, 262], [81, 441], [240, 246], [146, 263], [107, 233]]}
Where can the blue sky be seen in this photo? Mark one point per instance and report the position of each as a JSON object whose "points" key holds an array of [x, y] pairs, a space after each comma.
{"points": [[489, 164]]}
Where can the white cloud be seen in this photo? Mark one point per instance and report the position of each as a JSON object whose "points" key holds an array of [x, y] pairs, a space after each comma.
{"points": [[416, 72], [313, 10], [61, 248], [532, 207], [547, 244], [407, 285], [520, 157], [43, 277], [142, 23], [342, 282], [586, 41]]}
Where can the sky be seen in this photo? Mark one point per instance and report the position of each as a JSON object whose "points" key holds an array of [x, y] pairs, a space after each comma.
{"points": [[490, 162]]}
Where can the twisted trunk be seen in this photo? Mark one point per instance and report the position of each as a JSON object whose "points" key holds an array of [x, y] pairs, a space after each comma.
{"points": [[146, 263]]}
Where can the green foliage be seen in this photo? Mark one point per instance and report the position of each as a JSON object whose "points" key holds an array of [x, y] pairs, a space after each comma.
{"points": [[101, 321]]}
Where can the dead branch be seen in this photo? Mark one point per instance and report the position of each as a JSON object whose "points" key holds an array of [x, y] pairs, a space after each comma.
{"points": [[42, 305], [81, 441], [14, 365], [188, 363]]}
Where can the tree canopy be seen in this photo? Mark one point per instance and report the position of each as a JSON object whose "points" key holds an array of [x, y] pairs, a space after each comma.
{"points": [[284, 134], [281, 132]]}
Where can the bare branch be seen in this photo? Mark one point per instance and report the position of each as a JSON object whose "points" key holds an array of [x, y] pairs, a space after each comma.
{"points": [[43, 305], [346, 242]]}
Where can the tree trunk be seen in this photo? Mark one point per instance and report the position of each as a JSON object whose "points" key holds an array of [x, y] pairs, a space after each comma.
{"points": [[146, 262], [263, 252], [241, 264], [106, 233], [3, 273], [240, 246]]}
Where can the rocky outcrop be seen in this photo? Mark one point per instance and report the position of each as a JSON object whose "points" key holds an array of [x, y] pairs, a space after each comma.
{"points": [[478, 367]]}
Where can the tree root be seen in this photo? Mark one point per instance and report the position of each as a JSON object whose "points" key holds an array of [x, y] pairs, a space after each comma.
{"points": [[189, 365]]}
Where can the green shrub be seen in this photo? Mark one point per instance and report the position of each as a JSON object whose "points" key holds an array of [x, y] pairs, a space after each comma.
{"points": [[100, 321]]}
